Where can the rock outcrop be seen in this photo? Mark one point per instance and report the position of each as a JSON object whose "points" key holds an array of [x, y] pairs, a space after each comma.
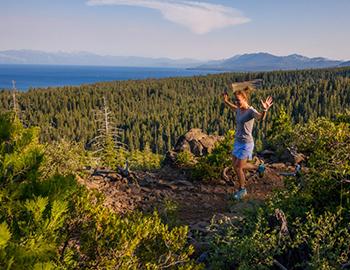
{"points": [[195, 142], [289, 156]]}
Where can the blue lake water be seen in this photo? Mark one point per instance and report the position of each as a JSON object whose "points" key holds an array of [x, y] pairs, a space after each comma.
{"points": [[43, 76]]}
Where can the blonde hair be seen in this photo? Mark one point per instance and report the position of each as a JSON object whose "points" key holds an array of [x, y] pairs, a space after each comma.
{"points": [[243, 89]]}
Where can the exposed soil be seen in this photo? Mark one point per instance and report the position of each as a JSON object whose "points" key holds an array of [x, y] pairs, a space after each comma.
{"points": [[197, 202]]}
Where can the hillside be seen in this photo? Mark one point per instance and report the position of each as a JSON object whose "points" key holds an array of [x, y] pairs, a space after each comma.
{"points": [[61, 209], [157, 112]]}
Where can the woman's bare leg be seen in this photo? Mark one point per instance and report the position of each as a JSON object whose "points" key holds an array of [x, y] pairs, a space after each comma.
{"points": [[250, 166], [239, 166]]}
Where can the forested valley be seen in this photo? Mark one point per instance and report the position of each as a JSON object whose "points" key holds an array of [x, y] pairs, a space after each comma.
{"points": [[157, 112]]}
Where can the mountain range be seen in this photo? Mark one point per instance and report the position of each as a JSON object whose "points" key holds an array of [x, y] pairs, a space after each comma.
{"points": [[245, 62], [267, 62], [90, 59]]}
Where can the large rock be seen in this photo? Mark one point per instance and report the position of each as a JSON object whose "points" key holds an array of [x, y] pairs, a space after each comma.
{"points": [[208, 142], [194, 134], [194, 141], [199, 143], [182, 144], [267, 153], [196, 148], [292, 156]]}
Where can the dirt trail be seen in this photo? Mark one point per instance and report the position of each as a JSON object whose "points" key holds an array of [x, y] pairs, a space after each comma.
{"points": [[208, 200], [197, 202]]}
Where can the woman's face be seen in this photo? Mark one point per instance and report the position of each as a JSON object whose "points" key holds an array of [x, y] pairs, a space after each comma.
{"points": [[241, 102]]}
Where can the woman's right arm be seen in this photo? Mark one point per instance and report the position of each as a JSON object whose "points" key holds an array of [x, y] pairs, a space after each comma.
{"points": [[228, 103]]}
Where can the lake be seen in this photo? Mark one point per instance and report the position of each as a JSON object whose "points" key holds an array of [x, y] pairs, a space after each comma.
{"points": [[43, 76]]}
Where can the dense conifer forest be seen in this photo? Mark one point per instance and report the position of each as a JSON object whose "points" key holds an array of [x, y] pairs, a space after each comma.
{"points": [[156, 112]]}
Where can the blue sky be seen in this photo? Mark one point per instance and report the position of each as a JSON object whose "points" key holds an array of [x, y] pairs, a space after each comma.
{"points": [[178, 29]]}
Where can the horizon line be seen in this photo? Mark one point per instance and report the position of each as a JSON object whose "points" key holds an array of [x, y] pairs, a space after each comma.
{"points": [[175, 58]]}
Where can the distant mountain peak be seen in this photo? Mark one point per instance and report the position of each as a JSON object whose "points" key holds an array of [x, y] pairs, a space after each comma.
{"points": [[262, 61], [298, 56]]}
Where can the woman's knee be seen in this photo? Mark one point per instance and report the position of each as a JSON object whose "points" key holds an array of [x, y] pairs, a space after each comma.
{"points": [[239, 164]]}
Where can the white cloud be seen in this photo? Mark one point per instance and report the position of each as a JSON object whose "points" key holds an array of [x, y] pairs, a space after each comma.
{"points": [[199, 17]]}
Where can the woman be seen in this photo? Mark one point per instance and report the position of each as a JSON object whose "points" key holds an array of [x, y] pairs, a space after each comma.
{"points": [[244, 142]]}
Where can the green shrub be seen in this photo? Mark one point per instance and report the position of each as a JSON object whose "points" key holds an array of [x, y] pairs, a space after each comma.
{"points": [[49, 221], [279, 136], [65, 158], [211, 166], [185, 159], [242, 249], [327, 238], [169, 213], [20, 151], [134, 241], [144, 160]]}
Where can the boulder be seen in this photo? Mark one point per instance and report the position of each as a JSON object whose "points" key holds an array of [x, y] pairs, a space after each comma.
{"points": [[291, 156], [194, 141], [196, 148], [209, 141], [194, 134], [267, 153], [182, 144]]}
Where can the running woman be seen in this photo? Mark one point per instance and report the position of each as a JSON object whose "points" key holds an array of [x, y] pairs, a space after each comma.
{"points": [[244, 141]]}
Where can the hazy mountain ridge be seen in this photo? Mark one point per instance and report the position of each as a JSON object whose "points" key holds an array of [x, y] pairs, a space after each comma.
{"points": [[246, 62], [345, 64], [86, 58], [267, 62]]}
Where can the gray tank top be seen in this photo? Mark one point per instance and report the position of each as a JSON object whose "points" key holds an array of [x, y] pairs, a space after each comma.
{"points": [[244, 124]]}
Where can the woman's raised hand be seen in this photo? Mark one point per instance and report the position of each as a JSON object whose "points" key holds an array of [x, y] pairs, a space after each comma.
{"points": [[225, 96], [267, 104]]}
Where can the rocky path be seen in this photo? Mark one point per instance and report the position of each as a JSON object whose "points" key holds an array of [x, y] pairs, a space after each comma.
{"points": [[197, 203]]}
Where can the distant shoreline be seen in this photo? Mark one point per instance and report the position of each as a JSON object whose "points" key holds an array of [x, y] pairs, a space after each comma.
{"points": [[29, 76]]}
